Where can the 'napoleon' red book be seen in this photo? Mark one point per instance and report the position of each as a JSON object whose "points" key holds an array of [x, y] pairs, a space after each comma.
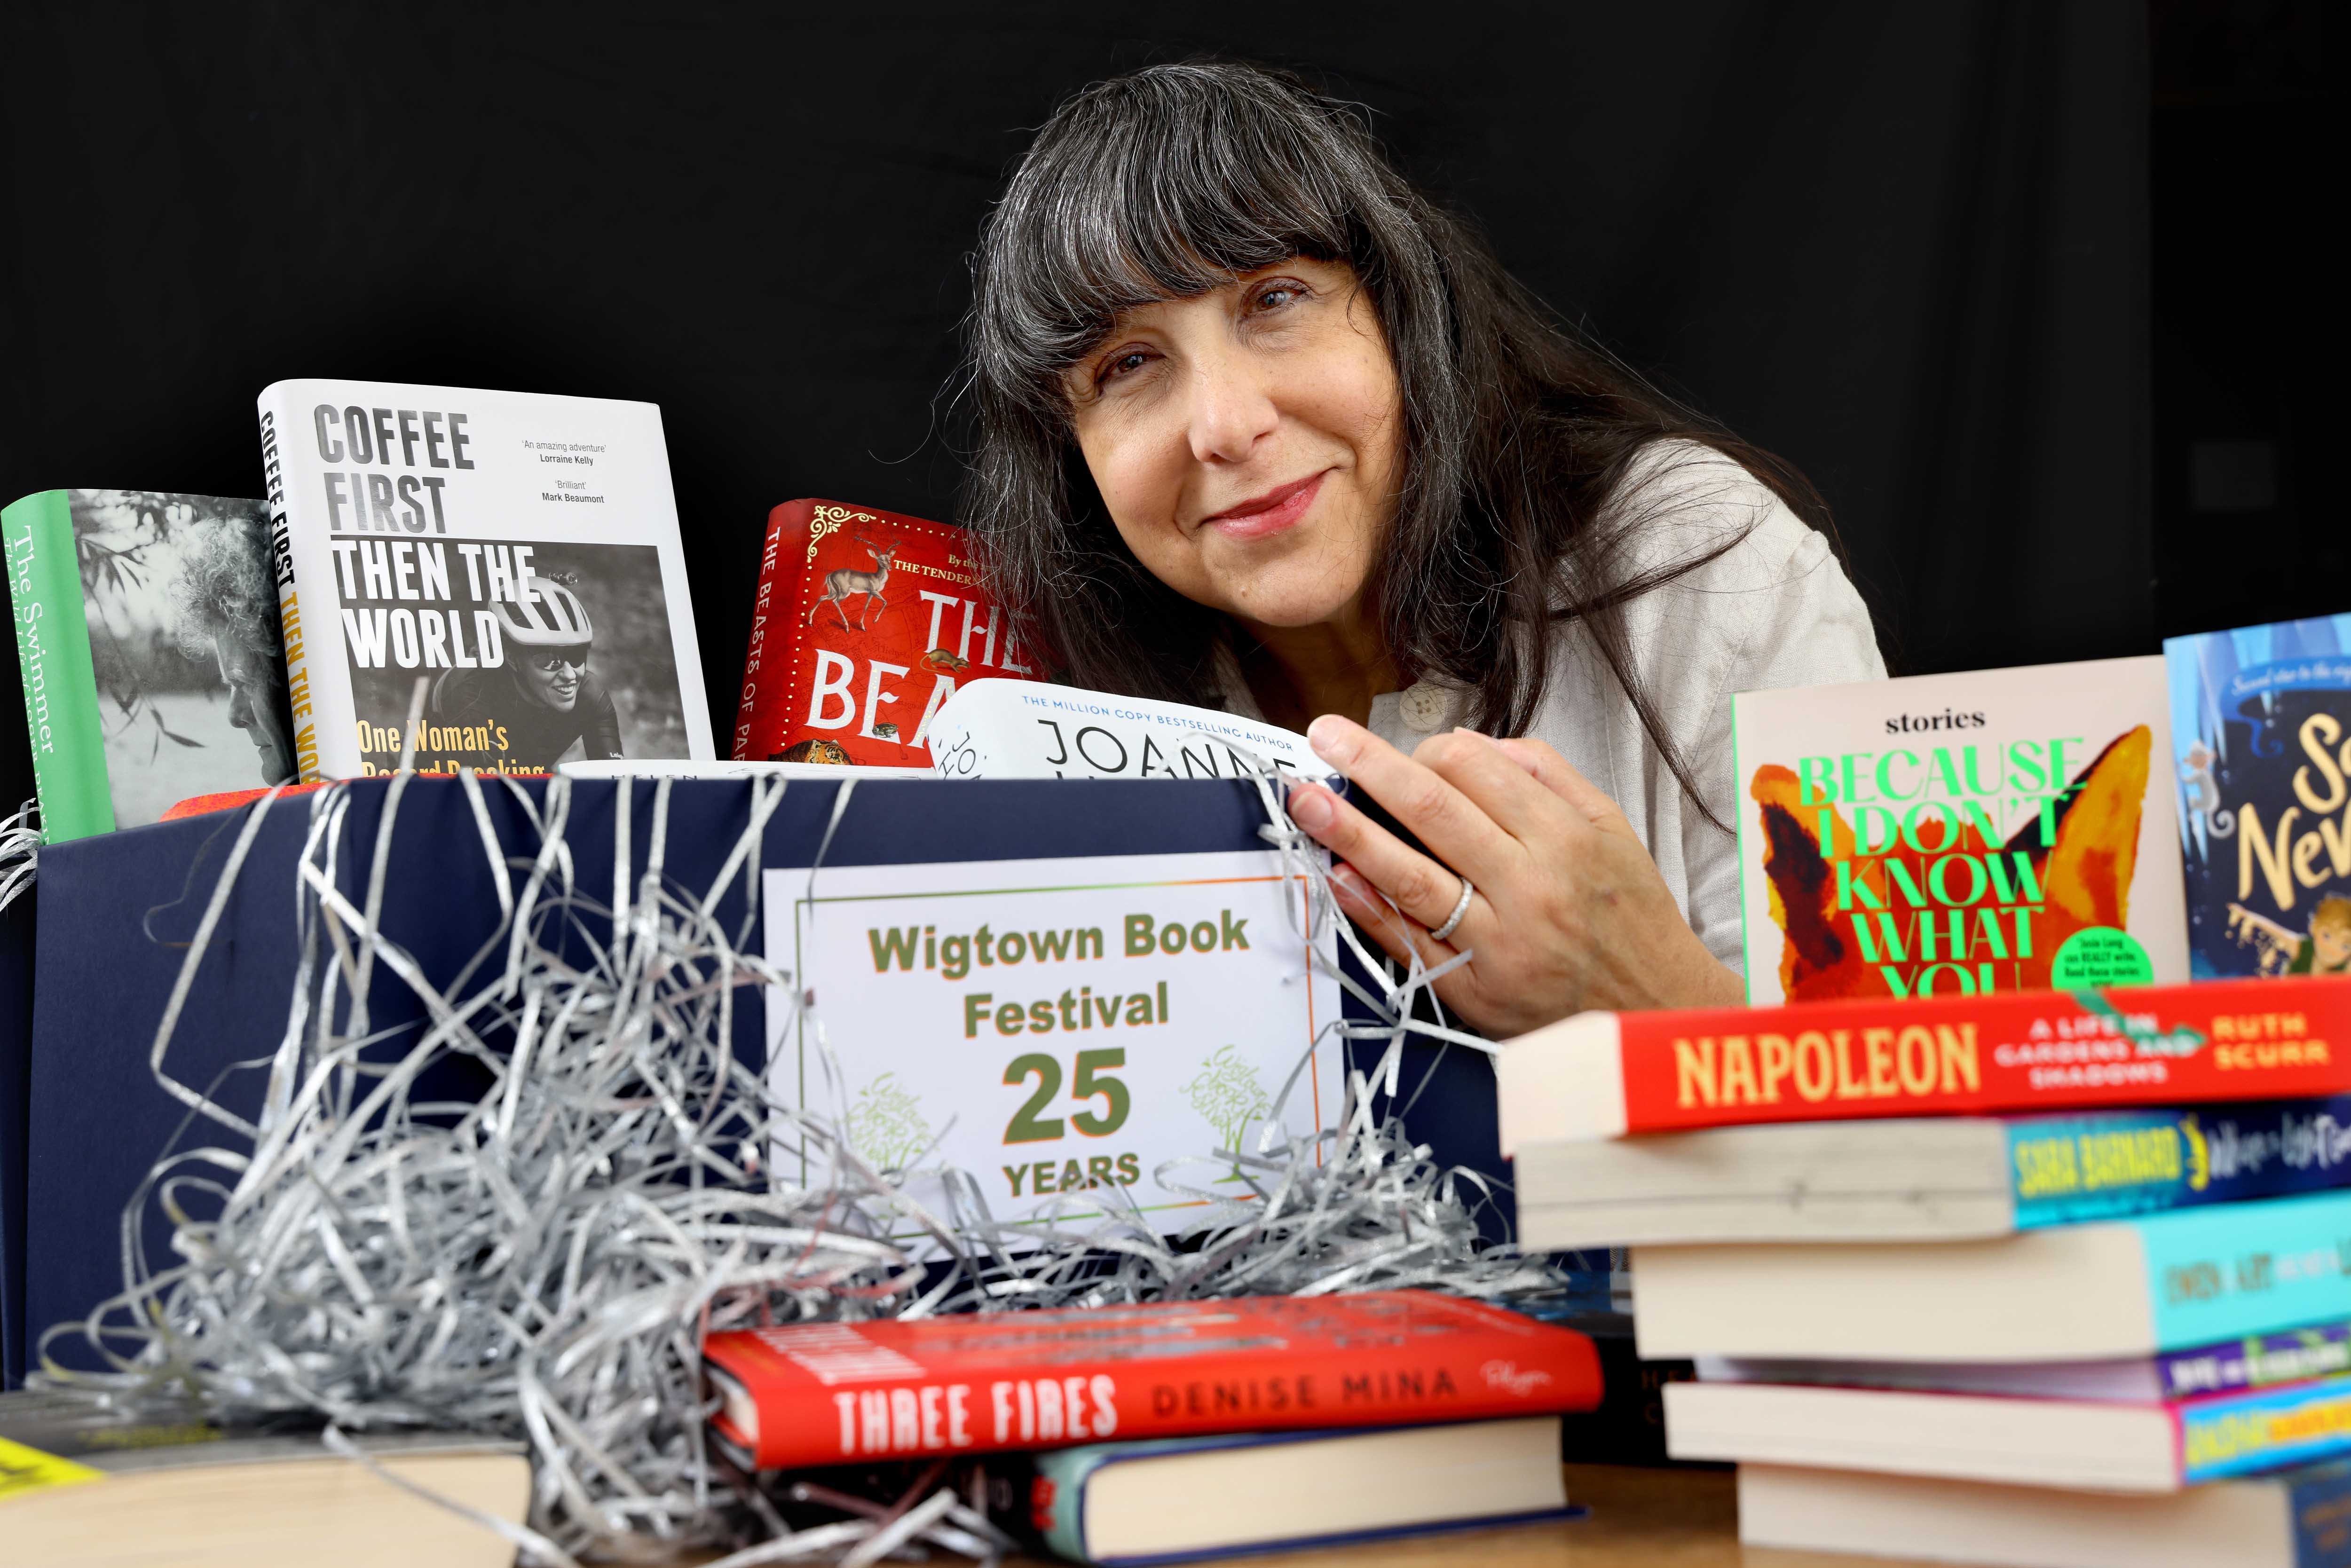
{"points": [[822, 1393], [1601, 1075], [865, 622]]}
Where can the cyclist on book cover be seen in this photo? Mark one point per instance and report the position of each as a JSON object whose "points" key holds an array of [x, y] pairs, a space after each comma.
{"points": [[542, 692]]}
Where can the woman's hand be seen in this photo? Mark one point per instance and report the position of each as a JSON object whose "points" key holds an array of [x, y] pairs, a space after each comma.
{"points": [[1569, 913]]}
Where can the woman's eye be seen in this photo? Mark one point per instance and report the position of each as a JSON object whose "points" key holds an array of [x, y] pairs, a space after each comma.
{"points": [[1275, 297], [1118, 365]]}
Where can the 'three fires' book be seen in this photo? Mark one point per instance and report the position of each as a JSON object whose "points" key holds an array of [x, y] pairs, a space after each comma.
{"points": [[147, 638], [865, 623], [2261, 727], [518, 554], [1955, 835], [829, 1394]]}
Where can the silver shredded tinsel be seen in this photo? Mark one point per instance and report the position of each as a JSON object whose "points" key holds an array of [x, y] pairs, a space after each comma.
{"points": [[541, 1264], [20, 853]]}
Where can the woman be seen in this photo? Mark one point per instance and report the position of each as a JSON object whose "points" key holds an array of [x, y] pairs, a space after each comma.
{"points": [[1259, 426], [225, 610]]}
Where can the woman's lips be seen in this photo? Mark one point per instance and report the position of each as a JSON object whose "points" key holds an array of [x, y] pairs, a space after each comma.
{"points": [[1270, 513]]}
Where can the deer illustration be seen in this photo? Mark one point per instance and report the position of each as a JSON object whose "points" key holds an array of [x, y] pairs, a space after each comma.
{"points": [[845, 584]]}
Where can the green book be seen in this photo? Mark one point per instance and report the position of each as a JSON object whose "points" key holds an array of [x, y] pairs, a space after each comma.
{"points": [[147, 636]]}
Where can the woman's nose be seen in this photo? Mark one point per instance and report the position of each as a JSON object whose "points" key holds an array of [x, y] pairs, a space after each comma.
{"points": [[240, 709], [1230, 412]]}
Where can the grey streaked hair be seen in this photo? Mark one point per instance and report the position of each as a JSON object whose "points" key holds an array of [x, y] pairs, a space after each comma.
{"points": [[1167, 183]]}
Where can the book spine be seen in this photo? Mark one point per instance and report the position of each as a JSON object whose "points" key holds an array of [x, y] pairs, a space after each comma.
{"points": [[1475, 1377], [2065, 1170], [276, 419], [748, 729], [2246, 1269], [61, 713], [2044, 1051], [2234, 1434], [2319, 1501], [2260, 1361]]}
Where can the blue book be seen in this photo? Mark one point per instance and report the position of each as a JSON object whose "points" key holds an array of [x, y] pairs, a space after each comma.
{"points": [[2261, 736], [1184, 1498]]}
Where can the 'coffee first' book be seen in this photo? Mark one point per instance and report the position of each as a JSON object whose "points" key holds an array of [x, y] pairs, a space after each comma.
{"points": [[864, 624], [2261, 727], [1601, 1075], [829, 1394], [516, 554], [1945, 835], [146, 626]]}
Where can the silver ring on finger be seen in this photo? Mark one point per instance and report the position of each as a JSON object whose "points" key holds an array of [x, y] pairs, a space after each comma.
{"points": [[1460, 908]]}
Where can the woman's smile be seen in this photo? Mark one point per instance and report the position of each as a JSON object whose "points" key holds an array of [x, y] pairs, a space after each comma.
{"points": [[1270, 513]]}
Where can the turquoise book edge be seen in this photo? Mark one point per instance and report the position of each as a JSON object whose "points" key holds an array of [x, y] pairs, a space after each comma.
{"points": [[2242, 1268], [36, 539]]}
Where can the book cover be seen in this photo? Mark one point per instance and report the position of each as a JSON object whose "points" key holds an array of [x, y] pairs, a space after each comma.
{"points": [[1956, 834], [517, 554], [864, 624], [1605, 1074], [2066, 1169], [146, 630], [829, 1394], [2261, 727], [1006, 729]]}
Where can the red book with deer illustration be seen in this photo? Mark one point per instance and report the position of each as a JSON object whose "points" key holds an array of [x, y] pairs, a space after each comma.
{"points": [[826, 1393], [865, 622], [1601, 1075]]}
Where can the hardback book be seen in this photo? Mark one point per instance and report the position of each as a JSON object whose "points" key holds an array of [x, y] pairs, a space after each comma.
{"points": [[2261, 727], [865, 622], [514, 555], [1628, 1426], [147, 636], [1923, 1177], [2101, 1444], [2294, 1519], [97, 1490], [1601, 1075], [832, 1394], [999, 729], [2256, 1361], [2103, 1292], [1140, 1503], [1951, 835]]}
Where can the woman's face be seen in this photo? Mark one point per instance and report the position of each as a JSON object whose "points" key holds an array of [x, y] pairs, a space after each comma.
{"points": [[1247, 441], [252, 709]]}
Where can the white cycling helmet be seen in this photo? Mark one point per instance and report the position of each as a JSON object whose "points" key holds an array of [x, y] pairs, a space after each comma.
{"points": [[549, 616]]}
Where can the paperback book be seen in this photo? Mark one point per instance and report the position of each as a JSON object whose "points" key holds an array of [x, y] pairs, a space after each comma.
{"points": [[832, 1394], [2260, 723], [864, 624], [1958, 834], [1924, 1177], [1000, 730], [515, 556], [1601, 1075], [146, 627], [2117, 1446]]}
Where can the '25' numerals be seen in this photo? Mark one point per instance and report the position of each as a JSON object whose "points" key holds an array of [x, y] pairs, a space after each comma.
{"points": [[1088, 1083]]}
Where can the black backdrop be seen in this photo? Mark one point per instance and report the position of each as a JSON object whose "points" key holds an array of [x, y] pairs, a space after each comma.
{"points": [[1903, 246]]}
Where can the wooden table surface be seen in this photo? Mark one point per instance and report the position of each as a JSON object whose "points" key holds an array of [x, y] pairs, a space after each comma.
{"points": [[1640, 1518]]}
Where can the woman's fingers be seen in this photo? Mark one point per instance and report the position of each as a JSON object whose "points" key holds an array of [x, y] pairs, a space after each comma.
{"points": [[1399, 937], [1417, 884], [1516, 800], [1455, 828]]}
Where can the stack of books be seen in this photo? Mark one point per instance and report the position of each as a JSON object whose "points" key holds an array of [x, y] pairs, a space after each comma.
{"points": [[1159, 1433], [2041, 1278]]}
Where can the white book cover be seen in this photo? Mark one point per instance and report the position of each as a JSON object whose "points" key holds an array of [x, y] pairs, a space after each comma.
{"points": [[517, 552], [996, 729], [1994, 830]]}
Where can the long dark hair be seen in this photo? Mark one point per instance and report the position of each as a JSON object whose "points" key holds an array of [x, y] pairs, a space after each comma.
{"points": [[1164, 184]]}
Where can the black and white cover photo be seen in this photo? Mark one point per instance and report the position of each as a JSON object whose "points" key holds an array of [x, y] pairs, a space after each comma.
{"points": [[184, 641]]}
